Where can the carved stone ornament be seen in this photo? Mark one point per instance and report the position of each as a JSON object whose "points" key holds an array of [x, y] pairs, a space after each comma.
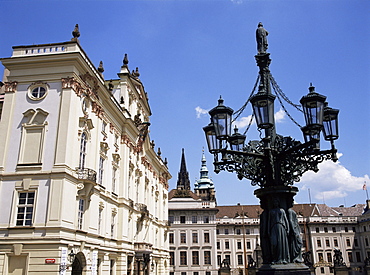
{"points": [[88, 79], [80, 186], [11, 87]]}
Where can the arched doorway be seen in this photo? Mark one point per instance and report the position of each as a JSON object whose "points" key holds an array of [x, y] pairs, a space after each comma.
{"points": [[78, 264]]}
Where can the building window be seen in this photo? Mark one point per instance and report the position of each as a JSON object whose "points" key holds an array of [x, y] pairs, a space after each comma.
{"points": [[227, 245], [358, 257], [172, 258], [345, 229], [112, 267], [81, 164], [37, 93], [240, 259], [195, 256], [226, 231], [239, 245], [364, 228], [206, 237], [217, 231], [171, 239], [195, 237], [248, 245], [101, 170], [26, 202], [348, 242], [113, 222], [219, 260], [183, 237], [103, 127], [354, 229], [325, 229], [194, 219], [366, 242], [318, 243], [322, 270], [317, 230], [32, 137], [355, 242], [205, 219], [218, 245], [195, 273], [238, 231], [81, 209], [114, 175], [227, 259], [183, 273], [321, 257], [334, 229], [182, 219], [170, 219], [247, 231], [328, 255], [350, 258], [207, 257], [327, 242], [183, 260], [336, 242]]}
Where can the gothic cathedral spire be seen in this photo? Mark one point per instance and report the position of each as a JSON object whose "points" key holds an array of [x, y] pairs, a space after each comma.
{"points": [[183, 182]]}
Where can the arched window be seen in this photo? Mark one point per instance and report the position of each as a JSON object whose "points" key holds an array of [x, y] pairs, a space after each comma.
{"points": [[82, 151]]}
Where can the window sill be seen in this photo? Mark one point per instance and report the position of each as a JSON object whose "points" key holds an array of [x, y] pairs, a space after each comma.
{"points": [[29, 167]]}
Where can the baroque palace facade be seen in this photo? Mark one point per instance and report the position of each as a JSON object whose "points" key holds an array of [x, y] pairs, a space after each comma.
{"points": [[233, 232], [82, 190]]}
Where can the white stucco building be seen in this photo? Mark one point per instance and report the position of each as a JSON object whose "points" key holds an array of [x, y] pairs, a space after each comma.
{"points": [[78, 172]]}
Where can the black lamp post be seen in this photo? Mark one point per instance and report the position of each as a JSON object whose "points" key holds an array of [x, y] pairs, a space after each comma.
{"points": [[275, 162]]}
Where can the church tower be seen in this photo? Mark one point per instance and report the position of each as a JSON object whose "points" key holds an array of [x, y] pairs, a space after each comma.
{"points": [[183, 182], [204, 187]]}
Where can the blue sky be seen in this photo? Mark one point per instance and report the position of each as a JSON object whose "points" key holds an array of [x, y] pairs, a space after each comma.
{"points": [[191, 52]]}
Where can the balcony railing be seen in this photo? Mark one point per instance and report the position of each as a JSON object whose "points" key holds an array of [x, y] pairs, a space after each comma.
{"points": [[86, 174]]}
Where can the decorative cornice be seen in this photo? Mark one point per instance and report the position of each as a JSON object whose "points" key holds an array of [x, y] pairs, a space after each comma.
{"points": [[72, 83]]}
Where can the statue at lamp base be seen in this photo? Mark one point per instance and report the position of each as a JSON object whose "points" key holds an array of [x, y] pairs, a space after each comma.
{"points": [[281, 242]]}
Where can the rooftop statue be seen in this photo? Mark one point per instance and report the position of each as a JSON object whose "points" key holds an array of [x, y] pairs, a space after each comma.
{"points": [[261, 37]]}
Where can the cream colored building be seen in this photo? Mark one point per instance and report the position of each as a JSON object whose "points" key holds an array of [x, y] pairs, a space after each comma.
{"points": [[78, 172], [323, 228], [192, 234]]}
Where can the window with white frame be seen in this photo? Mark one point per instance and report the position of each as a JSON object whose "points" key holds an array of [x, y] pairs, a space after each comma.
{"points": [[81, 210], [25, 207], [207, 257]]}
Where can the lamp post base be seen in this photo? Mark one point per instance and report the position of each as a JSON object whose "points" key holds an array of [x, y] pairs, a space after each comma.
{"points": [[284, 269]]}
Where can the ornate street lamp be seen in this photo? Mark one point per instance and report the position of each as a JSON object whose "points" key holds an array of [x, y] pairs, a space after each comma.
{"points": [[275, 162]]}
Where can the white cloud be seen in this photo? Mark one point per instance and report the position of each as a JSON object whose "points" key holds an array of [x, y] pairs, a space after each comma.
{"points": [[199, 111], [280, 116], [332, 181], [243, 122]]}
